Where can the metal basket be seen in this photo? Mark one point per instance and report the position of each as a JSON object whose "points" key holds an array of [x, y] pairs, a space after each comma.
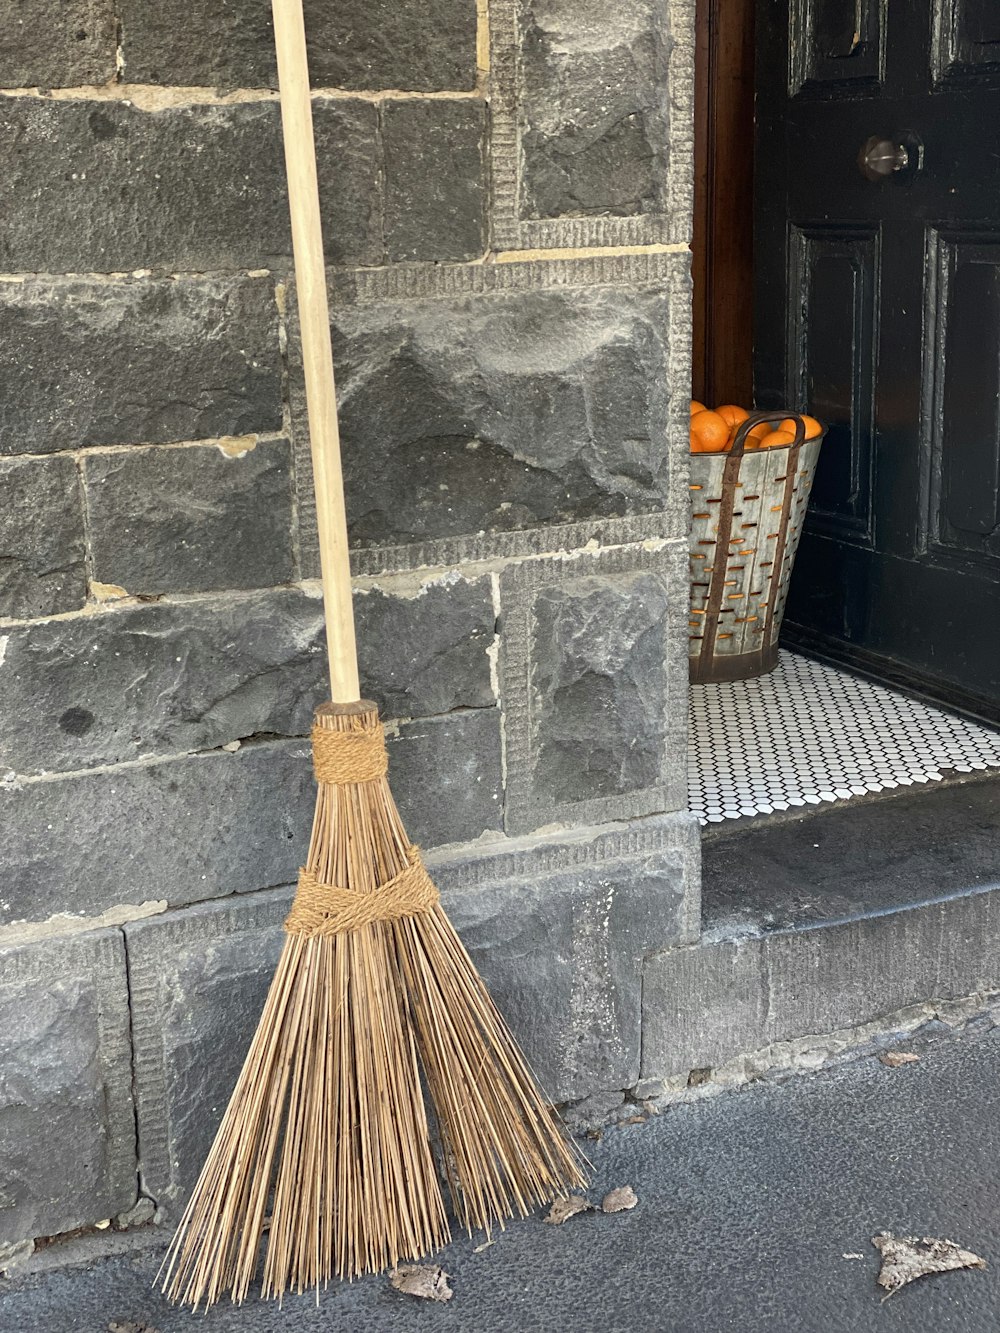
{"points": [[746, 519]]}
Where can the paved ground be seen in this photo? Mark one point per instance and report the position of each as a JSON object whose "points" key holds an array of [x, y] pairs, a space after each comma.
{"points": [[750, 1208]]}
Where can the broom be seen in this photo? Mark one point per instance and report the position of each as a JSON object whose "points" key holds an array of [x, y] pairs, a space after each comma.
{"points": [[325, 1146]]}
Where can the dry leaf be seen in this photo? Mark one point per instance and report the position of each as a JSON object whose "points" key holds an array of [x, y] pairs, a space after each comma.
{"points": [[563, 1209], [428, 1282], [130, 1326], [485, 1246], [619, 1200], [896, 1058], [905, 1258]]}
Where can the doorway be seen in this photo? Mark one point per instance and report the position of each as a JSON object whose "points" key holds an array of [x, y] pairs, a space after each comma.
{"points": [[846, 264]]}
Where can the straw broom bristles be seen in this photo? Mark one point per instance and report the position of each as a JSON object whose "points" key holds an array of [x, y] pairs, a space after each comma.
{"points": [[325, 1144]]}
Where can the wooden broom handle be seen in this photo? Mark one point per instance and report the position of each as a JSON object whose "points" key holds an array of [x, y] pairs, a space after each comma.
{"points": [[317, 353]]}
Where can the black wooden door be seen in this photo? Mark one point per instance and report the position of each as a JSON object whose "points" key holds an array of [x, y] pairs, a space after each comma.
{"points": [[877, 309]]}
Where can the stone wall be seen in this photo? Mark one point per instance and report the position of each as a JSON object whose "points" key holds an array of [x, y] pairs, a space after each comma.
{"points": [[506, 193]]}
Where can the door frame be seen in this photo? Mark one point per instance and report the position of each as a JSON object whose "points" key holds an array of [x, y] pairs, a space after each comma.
{"points": [[722, 246]]}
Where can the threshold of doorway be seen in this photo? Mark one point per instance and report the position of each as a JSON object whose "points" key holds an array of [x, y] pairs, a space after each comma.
{"points": [[852, 860]]}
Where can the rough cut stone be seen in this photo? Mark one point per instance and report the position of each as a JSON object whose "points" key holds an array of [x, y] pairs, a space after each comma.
{"points": [[41, 538], [161, 678], [495, 413], [558, 928], [58, 46], [136, 361], [594, 126], [427, 654], [594, 686], [435, 179], [598, 654], [401, 44], [182, 830], [350, 188], [106, 187], [67, 1127], [188, 520], [562, 955], [446, 777]]}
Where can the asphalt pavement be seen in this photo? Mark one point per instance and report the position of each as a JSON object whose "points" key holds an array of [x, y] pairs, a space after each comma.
{"points": [[755, 1212]]}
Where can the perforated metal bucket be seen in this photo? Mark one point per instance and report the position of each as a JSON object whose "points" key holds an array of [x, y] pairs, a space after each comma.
{"points": [[746, 519]]}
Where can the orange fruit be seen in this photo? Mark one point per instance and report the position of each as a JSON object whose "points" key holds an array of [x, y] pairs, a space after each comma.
{"points": [[732, 416], [813, 428], [697, 407], [709, 433], [777, 439], [755, 436]]}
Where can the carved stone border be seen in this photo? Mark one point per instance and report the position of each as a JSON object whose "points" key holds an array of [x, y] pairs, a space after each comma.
{"points": [[521, 544], [151, 944], [414, 282], [510, 231]]}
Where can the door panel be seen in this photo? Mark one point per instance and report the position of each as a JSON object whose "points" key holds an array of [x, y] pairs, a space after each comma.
{"points": [[834, 42], [890, 289], [966, 38], [832, 284], [964, 345]]}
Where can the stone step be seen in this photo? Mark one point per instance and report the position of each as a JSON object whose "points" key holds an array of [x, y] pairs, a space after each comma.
{"points": [[820, 925]]}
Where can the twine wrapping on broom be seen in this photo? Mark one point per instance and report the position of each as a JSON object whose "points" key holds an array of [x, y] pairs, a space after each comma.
{"points": [[326, 909], [342, 757], [349, 756]]}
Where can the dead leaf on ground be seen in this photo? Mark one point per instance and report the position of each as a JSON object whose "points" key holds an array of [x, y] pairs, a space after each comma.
{"points": [[485, 1246], [896, 1058], [905, 1258], [426, 1281], [563, 1209], [619, 1200], [130, 1326]]}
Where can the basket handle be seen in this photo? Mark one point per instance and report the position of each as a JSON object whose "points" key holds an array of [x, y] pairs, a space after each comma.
{"points": [[755, 419]]}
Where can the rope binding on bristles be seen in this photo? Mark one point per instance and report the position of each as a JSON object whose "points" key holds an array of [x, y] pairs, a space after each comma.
{"points": [[349, 756], [343, 757], [326, 909]]}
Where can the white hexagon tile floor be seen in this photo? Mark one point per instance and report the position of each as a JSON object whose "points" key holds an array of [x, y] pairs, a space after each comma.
{"points": [[808, 733]]}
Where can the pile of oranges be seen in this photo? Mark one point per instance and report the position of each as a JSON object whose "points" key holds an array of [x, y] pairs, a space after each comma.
{"points": [[713, 432]]}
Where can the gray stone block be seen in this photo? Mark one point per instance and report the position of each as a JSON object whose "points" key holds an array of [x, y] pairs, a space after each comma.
{"points": [[63, 49], [351, 191], [435, 179], [106, 187], [561, 948], [594, 693], [595, 132], [135, 360], [161, 678], [67, 1126], [191, 519], [446, 776], [426, 653], [41, 538], [498, 413], [382, 44], [732, 996], [178, 831], [557, 926]]}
